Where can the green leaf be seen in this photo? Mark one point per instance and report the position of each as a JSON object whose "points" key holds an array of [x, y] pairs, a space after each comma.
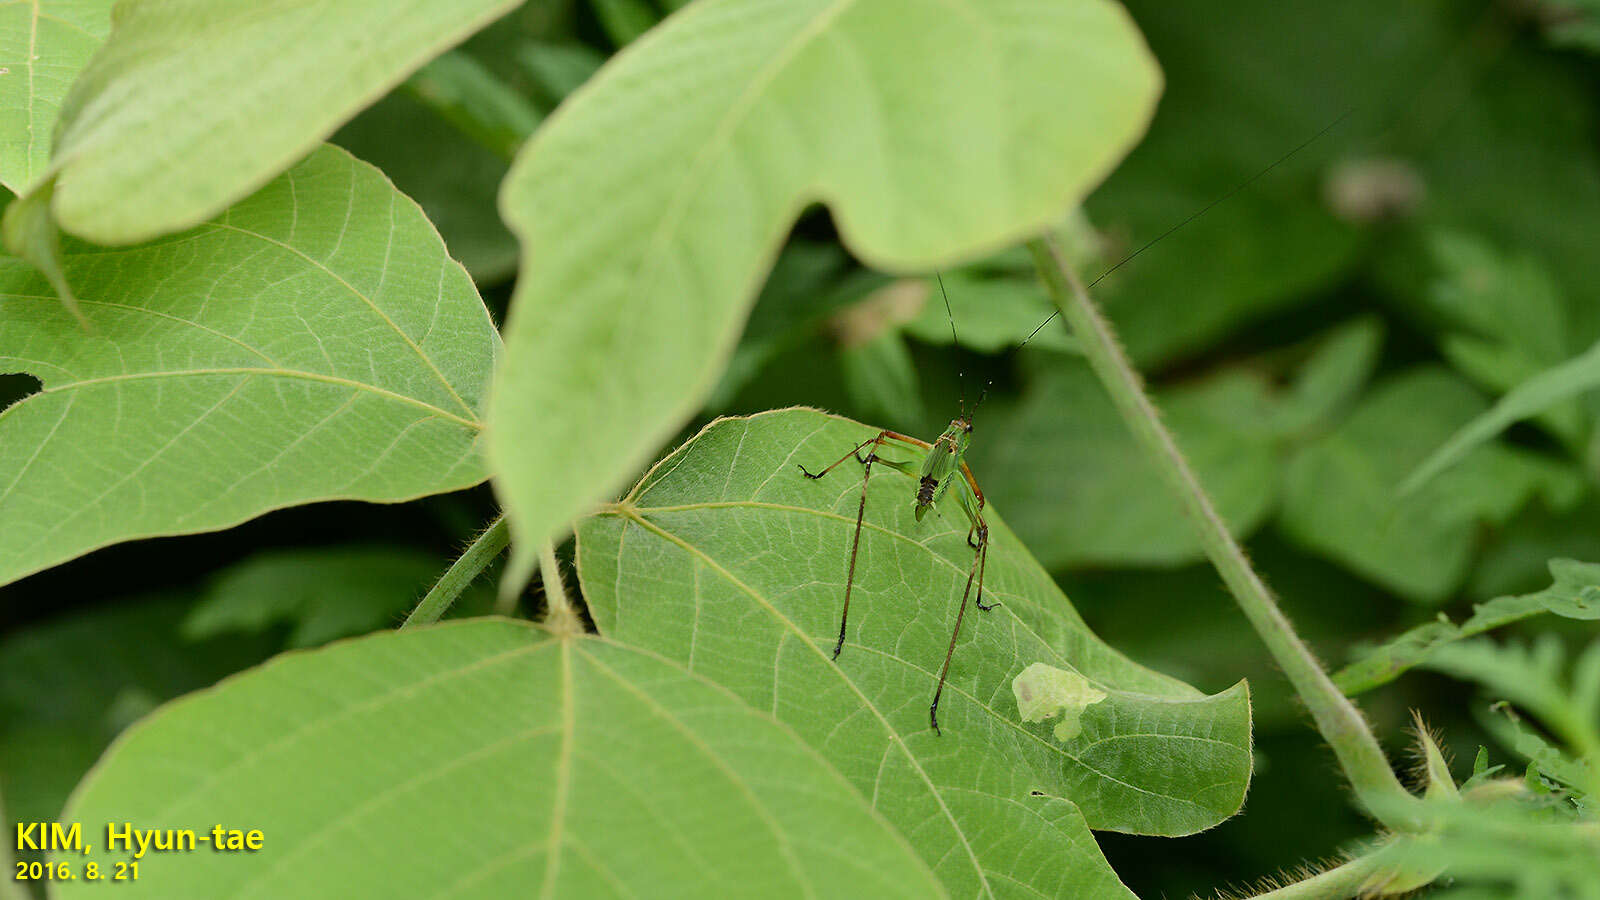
{"points": [[568, 768], [727, 559], [1531, 677], [44, 43], [323, 592], [68, 685], [238, 92], [558, 69], [1505, 845], [32, 234], [1575, 594], [882, 379], [1341, 494], [452, 178], [1538, 394], [1542, 755], [471, 98], [1338, 367], [312, 343], [1504, 320], [624, 20], [1504, 305], [622, 321], [1080, 491]]}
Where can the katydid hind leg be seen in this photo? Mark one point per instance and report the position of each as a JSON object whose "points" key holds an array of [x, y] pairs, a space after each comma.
{"points": [[855, 544], [974, 573]]}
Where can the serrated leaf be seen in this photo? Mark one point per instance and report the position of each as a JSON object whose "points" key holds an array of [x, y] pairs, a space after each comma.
{"points": [[1575, 594], [567, 768], [43, 46], [238, 91], [312, 343], [1532, 678], [1341, 493], [1081, 491], [727, 559], [622, 321], [1503, 306], [1510, 845], [1536, 395]]}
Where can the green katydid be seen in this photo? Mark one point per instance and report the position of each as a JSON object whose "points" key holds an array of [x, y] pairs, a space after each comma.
{"points": [[944, 464]]}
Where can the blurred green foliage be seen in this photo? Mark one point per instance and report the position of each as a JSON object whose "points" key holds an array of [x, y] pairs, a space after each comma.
{"points": [[1311, 339]]}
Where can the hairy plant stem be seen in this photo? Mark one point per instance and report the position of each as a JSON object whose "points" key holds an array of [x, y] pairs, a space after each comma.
{"points": [[1341, 724], [470, 565], [559, 617], [1348, 879]]}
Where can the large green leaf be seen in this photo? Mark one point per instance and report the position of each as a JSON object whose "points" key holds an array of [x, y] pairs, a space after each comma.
{"points": [[727, 559], [314, 342], [1342, 498], [557, 768], [235, 91], [931, 131], [43, 45]]}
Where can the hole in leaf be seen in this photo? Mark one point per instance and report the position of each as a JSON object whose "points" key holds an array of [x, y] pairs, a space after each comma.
{"points": [[14, 388]]}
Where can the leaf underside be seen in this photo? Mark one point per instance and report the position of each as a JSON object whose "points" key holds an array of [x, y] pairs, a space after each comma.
{"points": [[577, 768], [314, 342], [931, 131]]}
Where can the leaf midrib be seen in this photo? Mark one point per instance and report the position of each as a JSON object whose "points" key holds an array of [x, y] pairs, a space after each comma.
{"points": [[894, 736], [254, 371]]}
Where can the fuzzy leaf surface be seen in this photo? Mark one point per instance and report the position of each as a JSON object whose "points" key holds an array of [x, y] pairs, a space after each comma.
{"points": [[237, 91], [931, 131]]}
